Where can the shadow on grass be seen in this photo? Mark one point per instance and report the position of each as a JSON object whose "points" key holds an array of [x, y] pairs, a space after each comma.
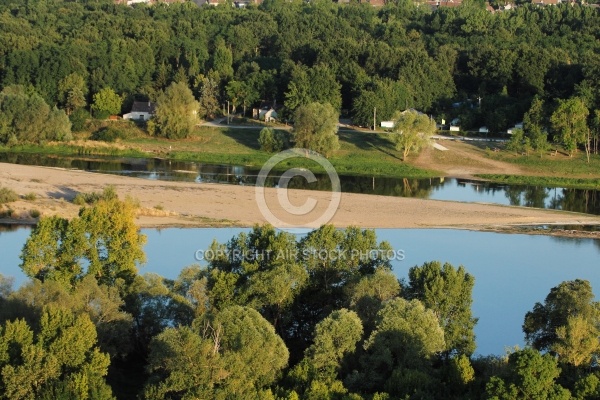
{"points": [[247, 137], [369, 141]]}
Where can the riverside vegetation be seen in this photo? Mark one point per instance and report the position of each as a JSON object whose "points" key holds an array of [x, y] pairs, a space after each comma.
{"points": [[269, 317], [87, 60]]}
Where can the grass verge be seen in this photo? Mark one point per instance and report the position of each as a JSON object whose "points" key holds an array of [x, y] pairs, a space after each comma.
{"points": [[548, 181]]}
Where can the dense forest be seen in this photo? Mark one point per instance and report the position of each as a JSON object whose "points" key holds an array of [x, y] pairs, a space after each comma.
{"points": [[269, 316], [456, 62]]}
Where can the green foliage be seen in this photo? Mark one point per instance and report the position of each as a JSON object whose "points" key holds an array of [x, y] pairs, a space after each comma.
{"points": [[570, 122], [412, 131], [315, 127], [565, 323], [447, 291], [60, 359], [25, 117], [102, 242], [270, 140], [530, 375], [235, 354], [106, 102], [399, 350], [176, 112], [7, 195], [208, 96], [109, 134], [79, 118]]}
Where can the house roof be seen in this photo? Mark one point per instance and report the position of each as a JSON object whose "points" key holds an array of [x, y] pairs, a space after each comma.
{"points": [[143, 106]]}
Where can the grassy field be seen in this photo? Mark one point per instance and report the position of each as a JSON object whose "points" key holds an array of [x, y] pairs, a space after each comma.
{"points": [[548, 181], [361, 153]]}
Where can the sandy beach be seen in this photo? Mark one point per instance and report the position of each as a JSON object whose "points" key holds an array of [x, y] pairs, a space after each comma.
{"points": [[173, 204]]}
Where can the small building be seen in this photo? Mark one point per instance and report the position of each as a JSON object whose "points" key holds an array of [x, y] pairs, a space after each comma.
{"points": [[266, 112], [141, 111], [484, 129], [455, 129], [387, 124]]}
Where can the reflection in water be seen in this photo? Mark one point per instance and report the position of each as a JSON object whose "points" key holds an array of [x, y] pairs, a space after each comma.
{"points": [[578, 200]]}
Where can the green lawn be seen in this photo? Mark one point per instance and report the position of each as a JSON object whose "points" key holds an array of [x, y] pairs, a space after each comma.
{"points": [[361, 153]]}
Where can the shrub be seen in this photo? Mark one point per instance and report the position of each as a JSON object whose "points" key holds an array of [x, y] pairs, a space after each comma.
{"points": [[79, 119], [30, 196], [35, 213], [271, 141], [109, 193], [108, 134], [7, 195]]}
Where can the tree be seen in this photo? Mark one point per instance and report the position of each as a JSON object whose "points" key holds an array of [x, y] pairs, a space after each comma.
{"points": [[176, 112], [222, 60], [315, 128], [533, 121], [570, 122], [270, 140], [530, 375], [412, 131], [25, 117], [447, 291], [566, 322], [106, 102], [71, 92], [209, 92], [233, 354], [406, 337], [317, 375], [102, 242], [259, 270], [59, 360]]}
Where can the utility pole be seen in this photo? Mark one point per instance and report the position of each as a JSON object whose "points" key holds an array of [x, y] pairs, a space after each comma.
{"points": [[227, 112], [374, 118]]}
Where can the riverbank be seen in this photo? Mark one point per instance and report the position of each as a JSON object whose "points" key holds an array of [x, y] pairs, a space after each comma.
{"points": [[181, 204]]}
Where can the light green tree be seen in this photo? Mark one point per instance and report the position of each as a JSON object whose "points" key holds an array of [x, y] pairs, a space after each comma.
{"points": [[533, 121], [176, 112], [270, 140], [447, 291], [578, 342], [106, 102], [315, 128], [103, 242], [412, 131], [569, 120], [60, 360], [562, 321]]}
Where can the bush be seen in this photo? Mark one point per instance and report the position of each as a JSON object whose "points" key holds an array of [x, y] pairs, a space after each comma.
{"points": [[108, 134], [109, 193], [30, 196], [79, 119], [271, 141], [35, 213], [7, 195]]}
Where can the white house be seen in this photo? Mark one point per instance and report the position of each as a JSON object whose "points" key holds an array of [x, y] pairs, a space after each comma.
{"points": [[387, 124], [141, 111], [484, 129]]}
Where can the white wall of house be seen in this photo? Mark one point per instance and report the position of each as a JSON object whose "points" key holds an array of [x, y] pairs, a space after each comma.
{"points": [[136, 115]]}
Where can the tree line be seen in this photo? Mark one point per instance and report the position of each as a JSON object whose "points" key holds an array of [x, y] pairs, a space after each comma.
{"points": [[465, 62], [269, 316]]}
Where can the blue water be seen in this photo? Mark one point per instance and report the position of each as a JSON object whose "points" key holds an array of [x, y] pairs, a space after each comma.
{"points": [[512, 271]]}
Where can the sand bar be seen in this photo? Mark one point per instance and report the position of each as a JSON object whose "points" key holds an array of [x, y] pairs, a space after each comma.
{"points": [[173, 204]]}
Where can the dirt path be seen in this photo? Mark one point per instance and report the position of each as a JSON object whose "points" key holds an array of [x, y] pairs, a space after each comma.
{"points": [[169, 204], [462, 160]]}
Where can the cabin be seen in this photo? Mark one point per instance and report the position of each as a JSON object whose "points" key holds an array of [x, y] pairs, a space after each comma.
{"points": [[141, 111]]}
